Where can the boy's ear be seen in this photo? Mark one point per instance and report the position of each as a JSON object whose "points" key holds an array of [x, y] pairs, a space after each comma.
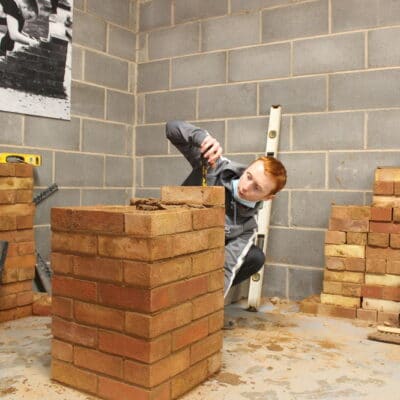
{"points": [[269, 197]]}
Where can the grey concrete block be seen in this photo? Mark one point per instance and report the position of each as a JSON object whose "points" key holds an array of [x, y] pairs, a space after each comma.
{"points": [[165, 171], [138, 171], [119, 172], [186, 10], [280, 209], [10, 128], [133, 78], [304, 282], [199, 70], [214, 128], [383, 129], [52, 133], [306, 19], [249, 5], [92, 197], [89, 30], [120, 107], [77, 169], [153, 76], [172, 42], [250, 135], [262, 62], [389, 12], [87, 100], [228, 101], [151, 140], [154, 14], [333, 131], [140, 99], [296, 246], [107, 71], [230, 31], [313, 209], [61, 198], [244, 159], [142, 53], [162, 107], [117, 11], [354, 14], [275, 281], [384, 47], [104, 137], [373, 89], [79, 4], [129, 143], [43, 241], [328, 54], [304, 170], [295, 95], [122, 43], [145, 193], [77, 63], [355, 171]]}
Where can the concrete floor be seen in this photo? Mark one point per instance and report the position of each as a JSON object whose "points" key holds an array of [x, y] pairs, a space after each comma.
{"points": [[274, 354]]}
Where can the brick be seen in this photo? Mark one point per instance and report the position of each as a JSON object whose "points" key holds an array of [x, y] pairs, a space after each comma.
{"points": [[386, 201], [7, 302], [137, 349], [391, 293], [354, 264], [7, 315], [344, 250], [206, 347], [98, 268], [98, 361], [384, 188], [378, 239], [115, 390], [384, 227], [14, 288], [208, 218], [24, 170], [381, 213], [393, 267], [8, 222], [24, 196], [351, 289], [393, 318], [386, 306], [397, 188], [376, 266], [207, 304], [208, 261], [188, 289], [74, 333], [74, 243], [335, 237], [62, 307], [25, 221], [75, 288], [351, 277], [216, 280], [147, 326], [189, 334], [72, 376], [396, 214], [335, 263], [16, 183], [385, 280], [41, 305], [14, 236], [348, 225], [208, 196], [7, 169], [367, 315], [151, 275], [93, 314], [26, 272], [24, 298], [156, 223], [8, 196], [216, 321], [338, 300], [61, 263], [189, 379], [61, 350], [22, 312], [380, 253], [330, 287], [214, 363]]}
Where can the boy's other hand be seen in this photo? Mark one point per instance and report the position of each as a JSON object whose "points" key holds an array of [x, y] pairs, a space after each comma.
{"points": [[211, 150]]}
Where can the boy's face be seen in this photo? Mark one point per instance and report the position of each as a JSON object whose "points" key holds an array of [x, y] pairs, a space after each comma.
{"points": [[27, 13], [255, 184]]}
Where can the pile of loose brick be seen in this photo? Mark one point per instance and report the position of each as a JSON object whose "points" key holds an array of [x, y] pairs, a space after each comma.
{"points": [[362, 249], [138, 296], [16, 227]]}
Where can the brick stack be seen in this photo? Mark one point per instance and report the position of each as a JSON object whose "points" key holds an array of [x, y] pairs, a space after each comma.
{"points": [[16, 227], [138, 296], [362, 249]]}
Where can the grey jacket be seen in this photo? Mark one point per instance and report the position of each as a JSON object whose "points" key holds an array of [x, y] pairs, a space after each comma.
{"points": [[240, 222]]}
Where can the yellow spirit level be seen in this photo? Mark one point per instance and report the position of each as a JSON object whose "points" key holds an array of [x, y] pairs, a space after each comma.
{"points": [[33, 159]]}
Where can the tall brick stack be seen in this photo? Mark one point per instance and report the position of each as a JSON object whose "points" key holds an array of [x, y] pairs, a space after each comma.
{"points": [[138, 296], [16, 227], [362, 249]]}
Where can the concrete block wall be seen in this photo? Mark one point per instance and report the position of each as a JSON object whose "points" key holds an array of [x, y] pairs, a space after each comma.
{"points": [[91, 156], [16, 227], [334, 67], [138, 296]]}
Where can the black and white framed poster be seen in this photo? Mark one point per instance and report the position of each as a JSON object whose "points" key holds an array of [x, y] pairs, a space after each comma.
{"points": [[35, 57]]}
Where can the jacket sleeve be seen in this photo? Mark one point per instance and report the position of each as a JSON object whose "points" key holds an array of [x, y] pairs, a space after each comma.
{"points": [[187, 138]]}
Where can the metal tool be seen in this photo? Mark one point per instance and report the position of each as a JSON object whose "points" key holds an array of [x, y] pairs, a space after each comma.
{"points": [[3, 255]]}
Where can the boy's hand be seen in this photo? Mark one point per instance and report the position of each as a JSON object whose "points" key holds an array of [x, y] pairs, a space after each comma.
{"points": [[211, 150]]}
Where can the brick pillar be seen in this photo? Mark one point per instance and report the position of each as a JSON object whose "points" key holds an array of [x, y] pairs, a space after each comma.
{"points": [[16, 227], [138, 297]]}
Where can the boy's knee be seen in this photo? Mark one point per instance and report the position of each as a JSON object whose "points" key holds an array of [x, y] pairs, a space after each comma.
{"points": [[255, 256]]}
